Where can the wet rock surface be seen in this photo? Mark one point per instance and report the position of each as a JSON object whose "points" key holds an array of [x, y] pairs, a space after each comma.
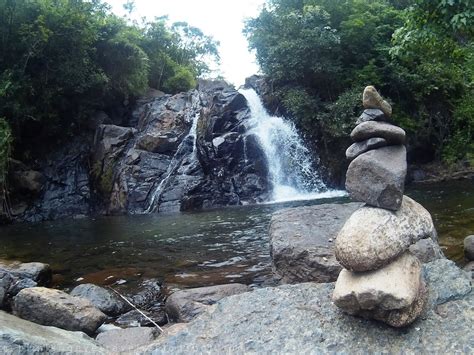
{"points": [[185, 305], [373, 237], [301, 318], [56, 308], [302, 241]]}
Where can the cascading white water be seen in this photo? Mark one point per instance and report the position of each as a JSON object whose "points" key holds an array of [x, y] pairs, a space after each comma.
{"points": [[174, 165], [290, 164]]}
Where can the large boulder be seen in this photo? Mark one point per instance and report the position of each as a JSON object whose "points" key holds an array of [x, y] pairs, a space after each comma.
{"points": [[373, 237], [122, 340], [18, 336], [377, 177], [302, 241], [302, 319], [56, 308], [105, 300], [5, 282], [376, 294], [185, 305], [371, 129]]}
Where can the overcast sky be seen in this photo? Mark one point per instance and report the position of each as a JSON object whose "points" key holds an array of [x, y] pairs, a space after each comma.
{"points": [[222, 19]]}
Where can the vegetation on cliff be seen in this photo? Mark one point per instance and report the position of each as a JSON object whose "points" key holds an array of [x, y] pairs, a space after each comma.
{"points": [[62, 60], [319, 54]]}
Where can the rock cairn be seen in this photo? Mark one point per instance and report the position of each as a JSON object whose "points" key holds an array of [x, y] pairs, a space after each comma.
{"points": [[381, 279]]}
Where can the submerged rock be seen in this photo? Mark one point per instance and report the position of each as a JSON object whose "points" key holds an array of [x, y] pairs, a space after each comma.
{"points": [[302, 319], [373, 237], [121, 340], [371, 129], [184, 305], [56, 308], [105, 300], [392, 287], [358, 148], [302, 241], [18, 336], [377, 177]]}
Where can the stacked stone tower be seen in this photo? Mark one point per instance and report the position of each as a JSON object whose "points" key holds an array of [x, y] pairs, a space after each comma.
{"points": [[381, 279]]}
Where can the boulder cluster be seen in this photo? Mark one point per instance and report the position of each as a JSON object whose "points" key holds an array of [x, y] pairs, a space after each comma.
{"points": [[381, 279]]}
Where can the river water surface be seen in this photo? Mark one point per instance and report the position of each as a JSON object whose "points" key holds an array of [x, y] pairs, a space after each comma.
{"points": [[197, 249]]}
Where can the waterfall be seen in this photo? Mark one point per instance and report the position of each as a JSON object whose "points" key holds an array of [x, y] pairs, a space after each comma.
{"points": [[175, 164], [291, 166]]}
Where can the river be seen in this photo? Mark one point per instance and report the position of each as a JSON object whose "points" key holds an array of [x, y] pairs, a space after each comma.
{"points": [[197, 249]]}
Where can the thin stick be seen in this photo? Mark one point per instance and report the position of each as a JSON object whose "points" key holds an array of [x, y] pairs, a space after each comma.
{"points": [[143, 314]]}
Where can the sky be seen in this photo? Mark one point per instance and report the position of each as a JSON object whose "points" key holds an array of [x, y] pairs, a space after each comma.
{"points": [[221, 19]]}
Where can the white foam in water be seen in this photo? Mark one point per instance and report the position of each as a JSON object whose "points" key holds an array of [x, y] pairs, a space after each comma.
{"points": [[290, 164]]}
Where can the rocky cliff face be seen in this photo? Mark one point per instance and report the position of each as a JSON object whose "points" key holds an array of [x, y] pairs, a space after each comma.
{"points": [[182, 152]]}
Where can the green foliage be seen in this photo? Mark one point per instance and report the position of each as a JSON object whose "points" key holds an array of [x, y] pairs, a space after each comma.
{"points": [[418, 53], [61, 60]]}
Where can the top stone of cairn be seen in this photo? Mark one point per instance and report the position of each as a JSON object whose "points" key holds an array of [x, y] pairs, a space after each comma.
{"points": [[371, 99]]}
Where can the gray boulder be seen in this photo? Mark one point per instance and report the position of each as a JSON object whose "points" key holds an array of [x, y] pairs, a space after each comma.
{"points": [[358, 148], [184, 305], [5, 282], [427, 250], [121, 340], [371, 129], [371, 114], [302, 241], [38, 272], [105, 300], [56, 308], [469, 269], [377, 177], [301, 319], [373, 237], [469, 247], [18, 336]]}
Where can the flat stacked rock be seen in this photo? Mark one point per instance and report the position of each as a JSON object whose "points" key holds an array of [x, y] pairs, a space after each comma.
{"points": [[381, 278]]}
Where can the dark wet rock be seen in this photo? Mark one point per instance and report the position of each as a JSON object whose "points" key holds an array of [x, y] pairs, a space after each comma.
{"points": [[371, 114], [377, 177], [122, 340], [56, 308], [147, 294], [136, 319], [185, 305], [5, 282], [20, 284], [18, 336], [38, 272], [66, 189], [469, 247], [30, 181], [105, 300], [427, 250], [358, 148], [302, 319], [373, 237], [302, 241], [370, 129]]}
